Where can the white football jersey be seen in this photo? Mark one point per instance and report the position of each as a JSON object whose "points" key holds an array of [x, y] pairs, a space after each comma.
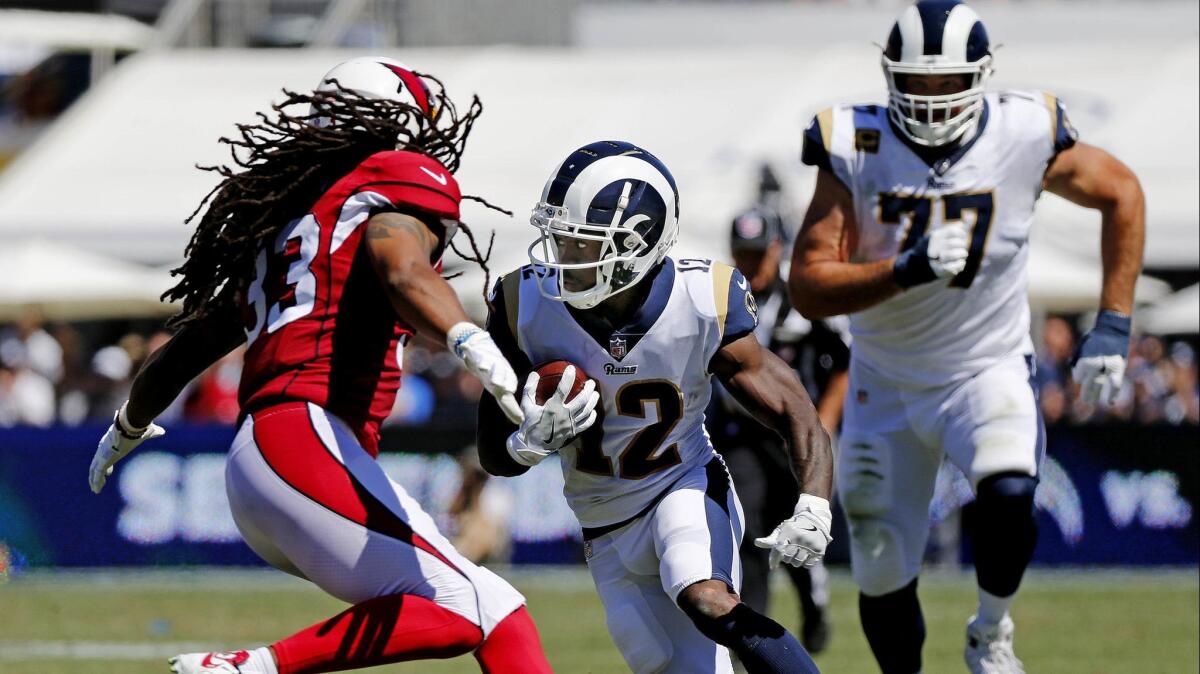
{"points": [[946, 330], [652, 375]]}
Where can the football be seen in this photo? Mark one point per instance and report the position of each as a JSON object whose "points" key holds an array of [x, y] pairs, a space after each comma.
{"points": [[551, 374]]}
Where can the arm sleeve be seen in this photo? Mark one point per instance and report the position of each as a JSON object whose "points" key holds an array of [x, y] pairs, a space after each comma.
{"points": [[493, 428], [813, 150], [1063, 135], [816, 149]]}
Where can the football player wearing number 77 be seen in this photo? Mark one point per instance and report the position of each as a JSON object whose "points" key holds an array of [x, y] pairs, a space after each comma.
{"points": [[919, 230], [661, 521], [324, 254]]}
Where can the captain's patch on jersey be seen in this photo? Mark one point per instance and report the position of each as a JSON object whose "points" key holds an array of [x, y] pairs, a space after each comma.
{"points": [[866, 140]]}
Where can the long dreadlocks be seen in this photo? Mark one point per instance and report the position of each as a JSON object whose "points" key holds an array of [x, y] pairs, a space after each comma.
{"points": [[279, 167]]}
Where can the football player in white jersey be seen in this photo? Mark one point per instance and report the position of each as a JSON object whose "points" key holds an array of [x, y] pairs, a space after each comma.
{"points": [[661, 521], [919, 229]]}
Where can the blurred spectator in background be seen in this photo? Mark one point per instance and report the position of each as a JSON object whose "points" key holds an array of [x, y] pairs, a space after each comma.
{"points": [[28, 345], [113, 369], [71, 373], [1185, 404], [1160, 384], [1052, 374], [215, 396], [30, 363], [478, 530], [26, 397]]}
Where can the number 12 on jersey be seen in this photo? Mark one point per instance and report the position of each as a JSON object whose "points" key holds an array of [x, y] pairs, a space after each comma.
{"points": [[643, 455], [893, 208]]}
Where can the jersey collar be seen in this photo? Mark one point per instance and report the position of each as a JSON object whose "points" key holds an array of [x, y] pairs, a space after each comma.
{"points": [[618, 341], [942, 159]]}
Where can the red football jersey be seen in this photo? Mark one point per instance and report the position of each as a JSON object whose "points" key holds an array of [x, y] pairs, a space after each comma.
{"points": [[319, 325]]}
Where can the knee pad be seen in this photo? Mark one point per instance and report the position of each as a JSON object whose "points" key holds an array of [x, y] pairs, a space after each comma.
{"points": [[864, 467], [1003, 488], [878, 559]]}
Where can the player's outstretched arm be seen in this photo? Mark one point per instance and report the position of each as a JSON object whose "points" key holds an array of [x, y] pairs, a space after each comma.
{"points": [[190, 351], [1091, 177], [770, 390], [400, 247], [823, 282]]}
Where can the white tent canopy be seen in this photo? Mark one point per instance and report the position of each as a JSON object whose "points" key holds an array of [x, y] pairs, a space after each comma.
{"points": [[116, 174], [70, 284], [1059, 282], [1176, 314]]}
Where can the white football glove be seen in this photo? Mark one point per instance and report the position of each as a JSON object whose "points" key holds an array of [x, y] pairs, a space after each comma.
{"points": [[940, 254], [1099, 378], [118, 442], [481, 356], [550, 426], [948, 249], [801, 540]]}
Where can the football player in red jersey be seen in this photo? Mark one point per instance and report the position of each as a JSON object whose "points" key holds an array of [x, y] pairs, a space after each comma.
{"points": [[323, 252]]}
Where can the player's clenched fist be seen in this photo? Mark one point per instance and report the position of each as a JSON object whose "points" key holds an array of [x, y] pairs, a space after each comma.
{"points": [[941, 253], [483, 359], [1099, 362], [118, 442], [801, 539]]}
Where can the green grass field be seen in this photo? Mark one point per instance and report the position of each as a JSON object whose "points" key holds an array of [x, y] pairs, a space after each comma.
{"points": [[1085, 622]]}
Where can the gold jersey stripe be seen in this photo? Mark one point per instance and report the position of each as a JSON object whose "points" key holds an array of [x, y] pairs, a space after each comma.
{"points": [[721, 274], [1052, 106], [825, 121]]}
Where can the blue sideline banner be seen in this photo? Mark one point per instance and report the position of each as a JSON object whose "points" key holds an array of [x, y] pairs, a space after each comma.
{"points": [[1112, 495], [166, 503]]}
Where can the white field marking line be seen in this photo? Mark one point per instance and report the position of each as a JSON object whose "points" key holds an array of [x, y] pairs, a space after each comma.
{"points": [[99, 650]]}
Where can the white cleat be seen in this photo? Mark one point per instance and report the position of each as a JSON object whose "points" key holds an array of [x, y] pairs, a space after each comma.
{"points": [[990, 648], [220, 662]]}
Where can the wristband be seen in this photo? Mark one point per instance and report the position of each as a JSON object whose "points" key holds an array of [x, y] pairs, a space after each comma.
{"points": [[911, 267], [1113, 321], [818, 506], [514, 444], [125, 428], [458, 334]]}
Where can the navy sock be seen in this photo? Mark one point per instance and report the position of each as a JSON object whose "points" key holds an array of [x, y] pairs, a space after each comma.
{"points": [[763, 645], [895, 629], [1004, 532]]}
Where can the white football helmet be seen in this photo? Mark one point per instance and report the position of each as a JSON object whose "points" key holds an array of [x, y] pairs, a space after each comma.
{"points": [[377, 77], [936, 37], [612, 192]]}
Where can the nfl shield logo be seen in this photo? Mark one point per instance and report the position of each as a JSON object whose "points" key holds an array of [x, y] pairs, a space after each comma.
{"points": [[616, 347]]}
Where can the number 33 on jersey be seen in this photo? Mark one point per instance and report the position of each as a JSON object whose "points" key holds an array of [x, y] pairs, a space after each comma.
{"points": [[989, 183], [318, 324]]}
